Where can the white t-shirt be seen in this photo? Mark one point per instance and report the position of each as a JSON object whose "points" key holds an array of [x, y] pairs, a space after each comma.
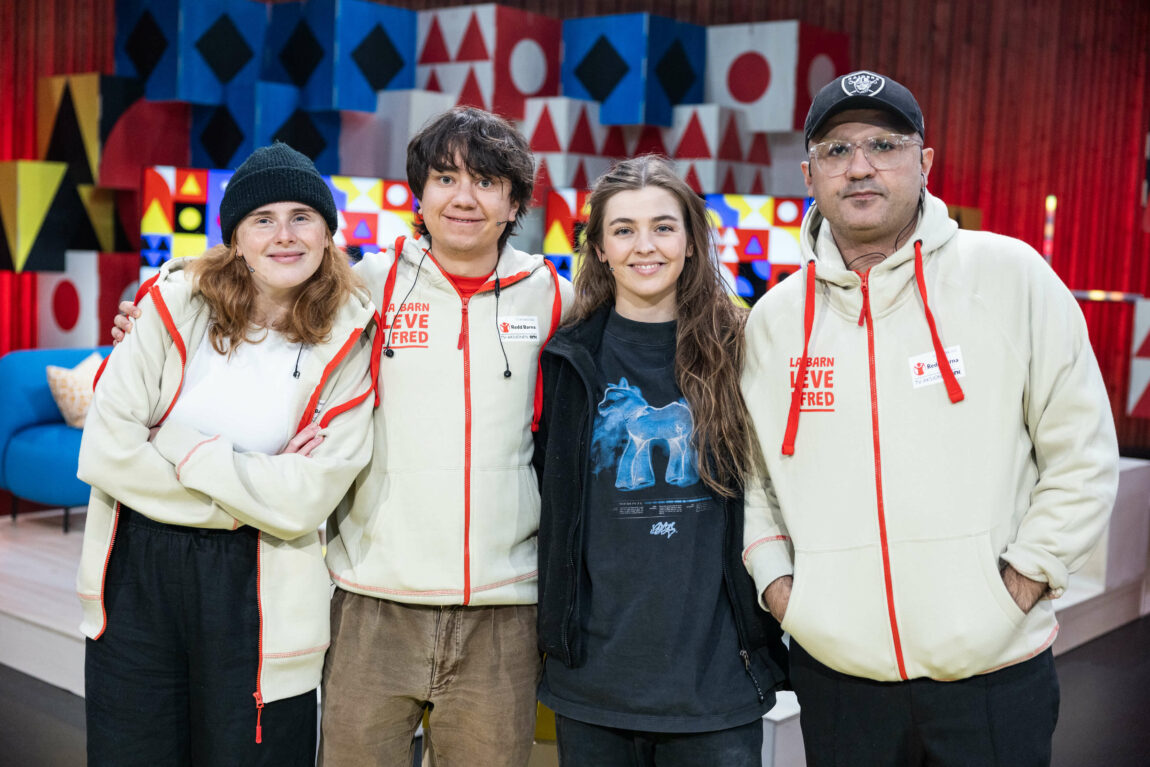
{"points": [[248, 397]]}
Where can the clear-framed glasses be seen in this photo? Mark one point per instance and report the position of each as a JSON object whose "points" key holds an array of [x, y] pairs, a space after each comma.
{"points": [[886, 151]]}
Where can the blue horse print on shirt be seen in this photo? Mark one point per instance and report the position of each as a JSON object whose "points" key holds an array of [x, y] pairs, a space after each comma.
{"points": [[627, 421]]}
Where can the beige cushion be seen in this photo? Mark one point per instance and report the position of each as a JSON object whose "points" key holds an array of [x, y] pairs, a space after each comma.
{"points": [[72, 388]]}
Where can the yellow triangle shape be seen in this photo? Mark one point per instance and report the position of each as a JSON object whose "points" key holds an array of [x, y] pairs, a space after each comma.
{"points": [[101, 207], [9, 199], [556, 242], [375, 193], [86, 97], [739, 203], [345, 185], [38, 184], [156, 220], [48, 92], [191, 187], [768, 210]]}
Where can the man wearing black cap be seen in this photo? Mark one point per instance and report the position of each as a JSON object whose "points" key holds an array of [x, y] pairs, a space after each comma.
{"points": [[956, 461]]}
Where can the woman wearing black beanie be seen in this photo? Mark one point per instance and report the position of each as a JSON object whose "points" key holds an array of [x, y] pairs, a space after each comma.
{"points": [[223, 431]]}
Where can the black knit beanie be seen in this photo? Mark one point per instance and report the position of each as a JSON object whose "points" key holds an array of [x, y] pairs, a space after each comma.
{"points": [[275, 173]]}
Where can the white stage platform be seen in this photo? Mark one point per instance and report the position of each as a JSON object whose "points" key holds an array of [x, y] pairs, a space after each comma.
{"points": [[39, 611]]}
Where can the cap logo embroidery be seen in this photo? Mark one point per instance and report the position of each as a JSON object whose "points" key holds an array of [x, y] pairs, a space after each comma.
{"points": [[862, 84]]}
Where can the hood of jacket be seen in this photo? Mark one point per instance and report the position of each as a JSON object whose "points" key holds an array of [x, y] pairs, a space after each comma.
{"points": [[890, 281]]}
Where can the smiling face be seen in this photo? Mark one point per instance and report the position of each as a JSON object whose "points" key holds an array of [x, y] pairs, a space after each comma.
{"points": [[465, 215], [283, 243], [645, 244], [867, 208]]}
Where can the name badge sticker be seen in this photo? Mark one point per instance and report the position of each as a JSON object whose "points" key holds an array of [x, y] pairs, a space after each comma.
{"points": [[525, 328], [924, 369]]}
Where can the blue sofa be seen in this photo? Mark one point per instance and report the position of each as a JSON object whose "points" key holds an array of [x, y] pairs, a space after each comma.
{"points": [[38, 451]]}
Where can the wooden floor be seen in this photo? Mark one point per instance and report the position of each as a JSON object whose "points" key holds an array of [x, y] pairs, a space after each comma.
{"points": [[39, 610]]}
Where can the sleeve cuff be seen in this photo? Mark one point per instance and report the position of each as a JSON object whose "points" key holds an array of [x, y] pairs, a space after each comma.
{"points": [[175, 440], [1038, 565], [768, 559]]}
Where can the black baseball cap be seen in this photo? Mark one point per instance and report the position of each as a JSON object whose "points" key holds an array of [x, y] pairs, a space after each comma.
{"points": [[862, 90]]}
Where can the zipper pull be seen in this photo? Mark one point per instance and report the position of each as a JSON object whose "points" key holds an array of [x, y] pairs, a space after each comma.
{"points": [[462, 325], [747, 664], [866, 298], [259, 713]]}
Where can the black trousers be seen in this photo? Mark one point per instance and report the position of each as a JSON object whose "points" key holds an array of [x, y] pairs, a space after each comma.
{"points": [[1004, 718], [172, 679], [591, 745]]}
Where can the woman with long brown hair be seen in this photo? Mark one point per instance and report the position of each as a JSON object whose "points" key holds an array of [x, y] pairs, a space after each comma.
{"points": [[657, 653], [225, 428]]}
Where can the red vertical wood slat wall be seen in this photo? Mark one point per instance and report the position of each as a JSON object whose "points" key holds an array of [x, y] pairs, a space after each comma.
{"points": [[1022, 99], [37, 38]]}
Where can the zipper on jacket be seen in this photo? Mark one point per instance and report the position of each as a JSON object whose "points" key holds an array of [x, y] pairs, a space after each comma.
{"points": [[869, 322], [465, 347], [258, 694], [740, 630], [104, 572], [747, 665]]}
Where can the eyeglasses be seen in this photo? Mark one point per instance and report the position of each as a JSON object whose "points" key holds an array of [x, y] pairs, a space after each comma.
{"points": [[886, 151]]}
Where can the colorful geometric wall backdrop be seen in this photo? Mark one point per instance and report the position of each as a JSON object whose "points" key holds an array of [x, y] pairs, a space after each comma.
{"points": [[489, 56], [376, 144], [181, 212], [637, 66], [756, 237], [259, 114], [1138, 390], [563, 228], [68, 301], [189, 50], [340, 53], [42, 214], [76, 305], [772, 69]]}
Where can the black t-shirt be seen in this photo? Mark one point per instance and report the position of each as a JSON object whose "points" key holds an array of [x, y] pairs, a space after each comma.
{"points": [[661, 654]]}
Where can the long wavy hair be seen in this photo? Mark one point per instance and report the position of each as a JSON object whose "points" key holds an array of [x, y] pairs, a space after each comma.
{"points": [[224, 281], [709, 344]]}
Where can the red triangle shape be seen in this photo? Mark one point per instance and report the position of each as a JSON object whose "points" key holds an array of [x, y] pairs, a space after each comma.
{"points": [[731, 148], [729, 184], [433, 83], [692, 180], [693, 144], [757, 184], [434, 48], [542, 182], [544, 139], [650, 141], [1142, 408], [1144, 349], [615, 145], [471, 95], [759, 153], [582, 140], [580, 180], [472, 48]]}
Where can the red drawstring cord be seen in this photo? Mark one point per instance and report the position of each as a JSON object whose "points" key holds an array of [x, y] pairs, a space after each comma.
{"points": [[797, 392], [953, 390]]}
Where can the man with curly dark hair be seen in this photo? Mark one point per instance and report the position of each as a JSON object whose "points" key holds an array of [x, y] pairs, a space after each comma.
{"points": [[434, 551]]}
